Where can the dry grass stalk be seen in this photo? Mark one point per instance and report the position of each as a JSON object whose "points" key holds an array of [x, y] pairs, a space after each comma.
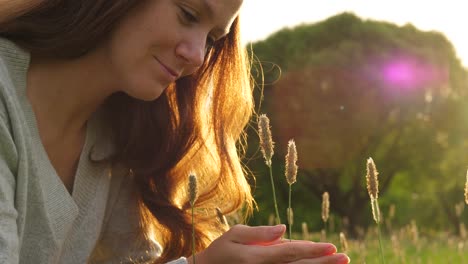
{"points": [[391, 211], [345, 222], [290, 214], [373, 189], [331, 223], [291, 160], [266, 141], [461, 246], [271, 219], [323, 235], [466, 188], [462, 231], [391, 215], [325, 206], [193, 195], [372, 180], [221, 218], [459, 209], [305, 231], [266, 146], [414, 232], [375, 210], [291, 175], [396, 246], [360, 231], [193, 188], [343, 242]]}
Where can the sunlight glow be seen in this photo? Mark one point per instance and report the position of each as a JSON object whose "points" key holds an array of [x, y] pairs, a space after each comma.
{"points": [[406, 73], [260, 18]]}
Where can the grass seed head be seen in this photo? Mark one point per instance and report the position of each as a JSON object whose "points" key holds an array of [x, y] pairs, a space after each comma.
{"points": [[221, 218], [372, 179], [291, 159], [343, 242], [305, 231], [266, 141], [193, 188], [325, 206]]}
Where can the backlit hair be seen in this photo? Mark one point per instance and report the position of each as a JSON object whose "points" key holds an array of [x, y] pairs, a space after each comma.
{"points": [[196, 125]]}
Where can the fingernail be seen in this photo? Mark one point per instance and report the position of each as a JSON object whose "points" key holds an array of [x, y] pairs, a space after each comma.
{"points": [[330, 250], [278, 229], [343, 259]]}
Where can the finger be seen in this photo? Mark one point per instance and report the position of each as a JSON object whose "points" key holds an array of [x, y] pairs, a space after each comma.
{"points": [[255, 235], [338, 258], [287, 240], [282, 240], [294, 251]]}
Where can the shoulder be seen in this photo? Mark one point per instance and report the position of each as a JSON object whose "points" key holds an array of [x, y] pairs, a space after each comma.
{"points": [[13, 68], [14, 63]]}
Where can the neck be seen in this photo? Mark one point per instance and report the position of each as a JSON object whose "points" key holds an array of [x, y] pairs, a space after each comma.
{"points": [[64, 94]]}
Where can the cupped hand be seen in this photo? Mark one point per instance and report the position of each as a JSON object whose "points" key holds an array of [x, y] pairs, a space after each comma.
{"points": [[263, 244]]}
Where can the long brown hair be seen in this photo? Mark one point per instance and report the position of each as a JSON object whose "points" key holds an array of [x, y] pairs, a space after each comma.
{"points": [[13, 8], [195, 126]]}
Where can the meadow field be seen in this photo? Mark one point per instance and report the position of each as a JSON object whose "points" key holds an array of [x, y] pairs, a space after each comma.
{"points": [[404, 246]]}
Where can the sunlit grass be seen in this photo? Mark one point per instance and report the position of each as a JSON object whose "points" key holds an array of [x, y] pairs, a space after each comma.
{"points": [[438, 249]]}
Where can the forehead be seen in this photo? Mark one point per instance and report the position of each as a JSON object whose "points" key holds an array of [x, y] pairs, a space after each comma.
{"points": [[227, 6], [223, 11]]}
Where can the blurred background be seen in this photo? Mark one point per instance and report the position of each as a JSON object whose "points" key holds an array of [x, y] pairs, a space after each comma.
{"points": [[261, 18], [348, 80]]}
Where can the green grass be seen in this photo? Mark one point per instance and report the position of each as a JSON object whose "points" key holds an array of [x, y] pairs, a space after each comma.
{"points": [[426, 251], [405, 249]]}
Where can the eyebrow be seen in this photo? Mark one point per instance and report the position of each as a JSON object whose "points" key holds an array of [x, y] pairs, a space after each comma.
{"points": [[207, 7], [220, 32]]}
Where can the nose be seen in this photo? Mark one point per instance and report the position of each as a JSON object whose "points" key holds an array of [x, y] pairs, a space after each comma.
{"points": [[192, 52]]}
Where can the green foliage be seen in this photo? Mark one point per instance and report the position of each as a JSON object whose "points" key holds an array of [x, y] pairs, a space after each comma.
{"points": [[400, 246], [435, 251], [329, 92]]}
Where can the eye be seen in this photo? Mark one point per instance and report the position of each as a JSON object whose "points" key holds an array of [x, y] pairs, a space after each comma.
{"points": [[188, 16]]}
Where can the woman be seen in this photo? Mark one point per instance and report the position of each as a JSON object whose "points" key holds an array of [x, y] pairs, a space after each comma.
{"points": [[106, 107]]}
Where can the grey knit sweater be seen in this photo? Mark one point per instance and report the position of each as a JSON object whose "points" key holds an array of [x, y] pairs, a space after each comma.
{"points": [[40, 221]]}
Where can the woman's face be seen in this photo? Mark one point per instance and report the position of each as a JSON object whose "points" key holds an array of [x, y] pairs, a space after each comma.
{"points": [[160, 41]]}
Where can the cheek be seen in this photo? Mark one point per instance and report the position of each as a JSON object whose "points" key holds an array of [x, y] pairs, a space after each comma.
{"points": [[140, 79], [133, 66], [127, 53]]}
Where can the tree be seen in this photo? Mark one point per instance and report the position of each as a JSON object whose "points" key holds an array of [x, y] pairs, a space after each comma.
{"points": [[350, 89]]}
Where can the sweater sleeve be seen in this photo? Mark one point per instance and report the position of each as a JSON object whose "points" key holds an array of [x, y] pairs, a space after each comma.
{"points": [[9, 241], [123, 240]]}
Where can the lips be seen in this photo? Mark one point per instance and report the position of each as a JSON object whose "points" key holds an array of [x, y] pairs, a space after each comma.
{"points": [[169, 70]]}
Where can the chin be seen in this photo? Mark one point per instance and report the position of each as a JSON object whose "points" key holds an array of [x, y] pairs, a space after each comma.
{"points": [[150, 97], [147, 94]]}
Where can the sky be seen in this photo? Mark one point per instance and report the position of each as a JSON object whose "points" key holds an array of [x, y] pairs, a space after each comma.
{"points": [[260, 18]]}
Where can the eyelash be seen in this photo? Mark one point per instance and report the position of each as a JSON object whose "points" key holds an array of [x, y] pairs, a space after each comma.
{"points": [[189, 18]]}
